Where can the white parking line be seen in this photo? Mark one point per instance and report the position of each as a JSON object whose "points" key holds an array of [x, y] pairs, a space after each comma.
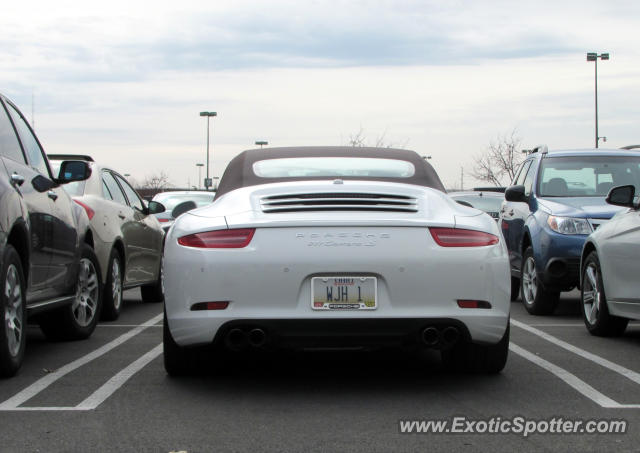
{"points": [[113, 384], [15, 401], [629, 374], [572, 380]]}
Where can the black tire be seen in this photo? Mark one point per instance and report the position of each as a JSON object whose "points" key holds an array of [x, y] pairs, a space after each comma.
{"points": [[78, 320], [595, 311], [112, 294], [13, 311], [535, 298], [515, 288], [178, 361], [153, 293], [477, 358]]}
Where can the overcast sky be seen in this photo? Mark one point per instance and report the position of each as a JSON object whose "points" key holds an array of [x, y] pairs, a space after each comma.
{"points": [[124, 81]]}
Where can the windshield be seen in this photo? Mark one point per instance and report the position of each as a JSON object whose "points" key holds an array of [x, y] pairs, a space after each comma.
{"points": [[585, 176], [333, 167], [171, 201]]}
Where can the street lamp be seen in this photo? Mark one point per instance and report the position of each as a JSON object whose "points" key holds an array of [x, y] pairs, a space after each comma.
{"points": [[199, 175], [261, 143], [207, 182], [593, 56]]}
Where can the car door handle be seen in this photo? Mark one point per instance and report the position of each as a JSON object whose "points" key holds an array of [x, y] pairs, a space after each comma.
{"points": [[121, 215], [51, 194], [17, 180]]}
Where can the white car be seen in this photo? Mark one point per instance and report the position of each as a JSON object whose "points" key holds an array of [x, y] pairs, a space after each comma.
{"points": [[126, 235], [332, 247], [610, 286]]}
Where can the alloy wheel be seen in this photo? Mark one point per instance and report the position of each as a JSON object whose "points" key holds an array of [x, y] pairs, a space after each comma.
{"points": [[591, 294], [529, 281], [116, 284], [86, 302], [13, 314]]}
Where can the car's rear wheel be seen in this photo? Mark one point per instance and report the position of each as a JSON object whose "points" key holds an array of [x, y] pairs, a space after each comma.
{"points": [[515, 288], [478, 358], [112, 297], [13, 311], [78, 320], [153, 293], [178, 361], [536, 299], [595, 311]]}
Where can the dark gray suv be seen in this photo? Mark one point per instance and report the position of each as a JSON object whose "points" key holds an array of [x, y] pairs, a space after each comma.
{"points": [[49, 273]]}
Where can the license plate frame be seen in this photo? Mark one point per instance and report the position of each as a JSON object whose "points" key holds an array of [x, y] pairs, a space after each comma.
{"points": [[344, 292]]}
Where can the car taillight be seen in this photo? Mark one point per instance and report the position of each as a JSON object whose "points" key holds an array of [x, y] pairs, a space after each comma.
{"points": [[219, 239], [90, 212], [163, 220], [457, 237]]}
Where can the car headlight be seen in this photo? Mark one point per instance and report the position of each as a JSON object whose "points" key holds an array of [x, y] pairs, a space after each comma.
{"points": [[569, 225]]}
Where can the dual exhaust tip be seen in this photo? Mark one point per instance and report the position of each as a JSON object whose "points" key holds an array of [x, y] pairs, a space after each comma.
{"points": [[238, 339], [440, 338]]}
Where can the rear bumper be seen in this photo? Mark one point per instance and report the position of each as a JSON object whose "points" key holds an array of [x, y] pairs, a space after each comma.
{"points": [[268, 285], [340, 333]]}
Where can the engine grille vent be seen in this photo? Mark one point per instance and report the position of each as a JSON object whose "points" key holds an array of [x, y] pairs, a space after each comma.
{"points": [[338, 202]]}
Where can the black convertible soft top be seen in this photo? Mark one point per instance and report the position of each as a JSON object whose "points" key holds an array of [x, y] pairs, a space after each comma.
{"points": [[239, 172]]}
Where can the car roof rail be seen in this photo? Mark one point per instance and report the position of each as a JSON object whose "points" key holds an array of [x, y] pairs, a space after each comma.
{"points": [[630, 147], [70, 157]]}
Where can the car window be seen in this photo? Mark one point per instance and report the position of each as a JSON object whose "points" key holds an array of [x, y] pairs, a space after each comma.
{"points": [[105, 191], [114, 188], [523, 172], [134, 199], [9, 144], [587, 176], [296, 167], [528, 180], [30, 143]]}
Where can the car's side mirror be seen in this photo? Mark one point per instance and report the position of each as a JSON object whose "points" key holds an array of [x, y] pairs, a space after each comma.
{"points": [[182, 208], [622, 196], [515, 193], [42, 184], [155, 207], [73, 170]]}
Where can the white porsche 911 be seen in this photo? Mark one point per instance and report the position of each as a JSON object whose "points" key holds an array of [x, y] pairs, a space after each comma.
{"points": [[335, 247]]}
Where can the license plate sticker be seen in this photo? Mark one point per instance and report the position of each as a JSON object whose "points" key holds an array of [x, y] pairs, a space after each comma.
{"points": [[344, 293]]}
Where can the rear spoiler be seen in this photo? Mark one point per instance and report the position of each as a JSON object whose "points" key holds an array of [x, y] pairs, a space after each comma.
{"points": [[70, 157]]}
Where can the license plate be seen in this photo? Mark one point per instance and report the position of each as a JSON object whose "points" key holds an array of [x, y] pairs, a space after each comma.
{"points": [[344, 293]]}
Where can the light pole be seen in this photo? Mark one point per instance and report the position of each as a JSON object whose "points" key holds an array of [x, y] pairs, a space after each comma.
{"points": [[593, 56], [207, 181], [261, 143], [199, 175]]}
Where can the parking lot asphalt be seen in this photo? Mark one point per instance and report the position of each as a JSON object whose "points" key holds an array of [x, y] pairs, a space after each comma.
{"points": [[111, 393]]}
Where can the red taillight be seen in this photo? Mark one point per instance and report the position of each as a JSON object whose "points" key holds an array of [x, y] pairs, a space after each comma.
{"points": [[217, 305], [473, 304], [90, 212], [163, 220], [219, 239], [457, 237]]}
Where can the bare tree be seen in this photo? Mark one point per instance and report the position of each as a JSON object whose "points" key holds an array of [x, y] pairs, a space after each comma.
{"points": [[359, 140], [156, 181], [497, 165]]}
